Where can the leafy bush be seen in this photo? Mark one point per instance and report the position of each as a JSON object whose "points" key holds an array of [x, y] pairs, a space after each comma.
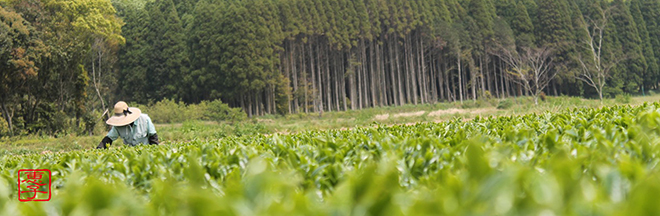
{"points": [[542, 96], [485, 95], [189, 126], [218, 111], [249, 129], [504, 104], [4, 127], [479, 103], [168, 111], [623, 98], [196, 111]]}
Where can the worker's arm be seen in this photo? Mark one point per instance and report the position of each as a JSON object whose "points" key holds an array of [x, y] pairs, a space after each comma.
{"points": [[102, 145], [151, 132], [153, 139], [111, 136]]}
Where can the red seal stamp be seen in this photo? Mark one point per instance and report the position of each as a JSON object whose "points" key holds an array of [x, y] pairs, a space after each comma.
{"points": [[34, 185]]}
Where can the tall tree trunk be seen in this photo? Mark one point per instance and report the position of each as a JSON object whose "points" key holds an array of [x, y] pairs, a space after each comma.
{"points": [[406, 72], [436, 80], [507, 83], [302, 74], [97, 83], [250, 105], [494, 79], [451, 89], [460, 77], [365, 77], [380, 70], [402, 100], [343, 84], [285, 67], [351, 83], [296, 102], [315, 71], [473, 79], [502, 77], [396, 92], [357, 84], [360, 69], [311, 68], [328, 102], [481, 75], [422, 71], [318, 104], [338, 87], [372, 75], [413, 76], [8, 115]]}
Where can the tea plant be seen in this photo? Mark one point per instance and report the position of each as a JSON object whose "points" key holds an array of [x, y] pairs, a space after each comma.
{"points": [[575, 162]]}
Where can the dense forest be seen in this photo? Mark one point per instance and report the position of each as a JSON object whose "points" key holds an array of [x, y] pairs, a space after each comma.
{"points": [[73, 58]]}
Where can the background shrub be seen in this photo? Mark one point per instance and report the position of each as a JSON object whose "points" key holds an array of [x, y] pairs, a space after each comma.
{"points": [[167, 111], [218, 111], [542, 96], [4, 128], [623, 98], [504, 104]]}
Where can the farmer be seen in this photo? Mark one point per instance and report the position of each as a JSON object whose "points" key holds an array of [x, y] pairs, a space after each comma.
{"points": [[131, 125]]}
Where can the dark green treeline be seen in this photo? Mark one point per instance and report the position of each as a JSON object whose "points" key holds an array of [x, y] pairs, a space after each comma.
{"points": [[63, 62], [290, 56]]}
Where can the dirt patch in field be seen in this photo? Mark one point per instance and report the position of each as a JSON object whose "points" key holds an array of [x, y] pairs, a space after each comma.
{"points": [[382, 117], [447, 111], [410, 114], [345, 119], [265, 120], [460, 111]]}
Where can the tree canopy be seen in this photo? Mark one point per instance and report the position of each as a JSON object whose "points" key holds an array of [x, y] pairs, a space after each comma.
{"points": [[75, 57]]}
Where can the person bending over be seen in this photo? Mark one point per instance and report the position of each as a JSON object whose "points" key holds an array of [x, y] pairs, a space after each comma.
{"points": [[129, 123]]}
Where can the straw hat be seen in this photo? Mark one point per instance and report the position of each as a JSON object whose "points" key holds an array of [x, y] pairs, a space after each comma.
{"points": [[123, 114]]}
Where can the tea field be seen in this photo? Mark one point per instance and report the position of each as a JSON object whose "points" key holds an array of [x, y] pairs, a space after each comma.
{"points": [[592, 161]]}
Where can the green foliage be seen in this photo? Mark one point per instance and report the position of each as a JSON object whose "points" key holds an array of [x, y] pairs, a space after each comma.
{"points": [[282, 95], [486, 95], [133, 55], [48, 50], [555, 27], [271, 57], [627, 40], [168, 55], [504, 104], [624, 98], [600, 161], [4, 128], [483, 15], [479, 103], [523, 26], [651, 72], [248, 129], [169, 111], [218, 111], [20, 49]]}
